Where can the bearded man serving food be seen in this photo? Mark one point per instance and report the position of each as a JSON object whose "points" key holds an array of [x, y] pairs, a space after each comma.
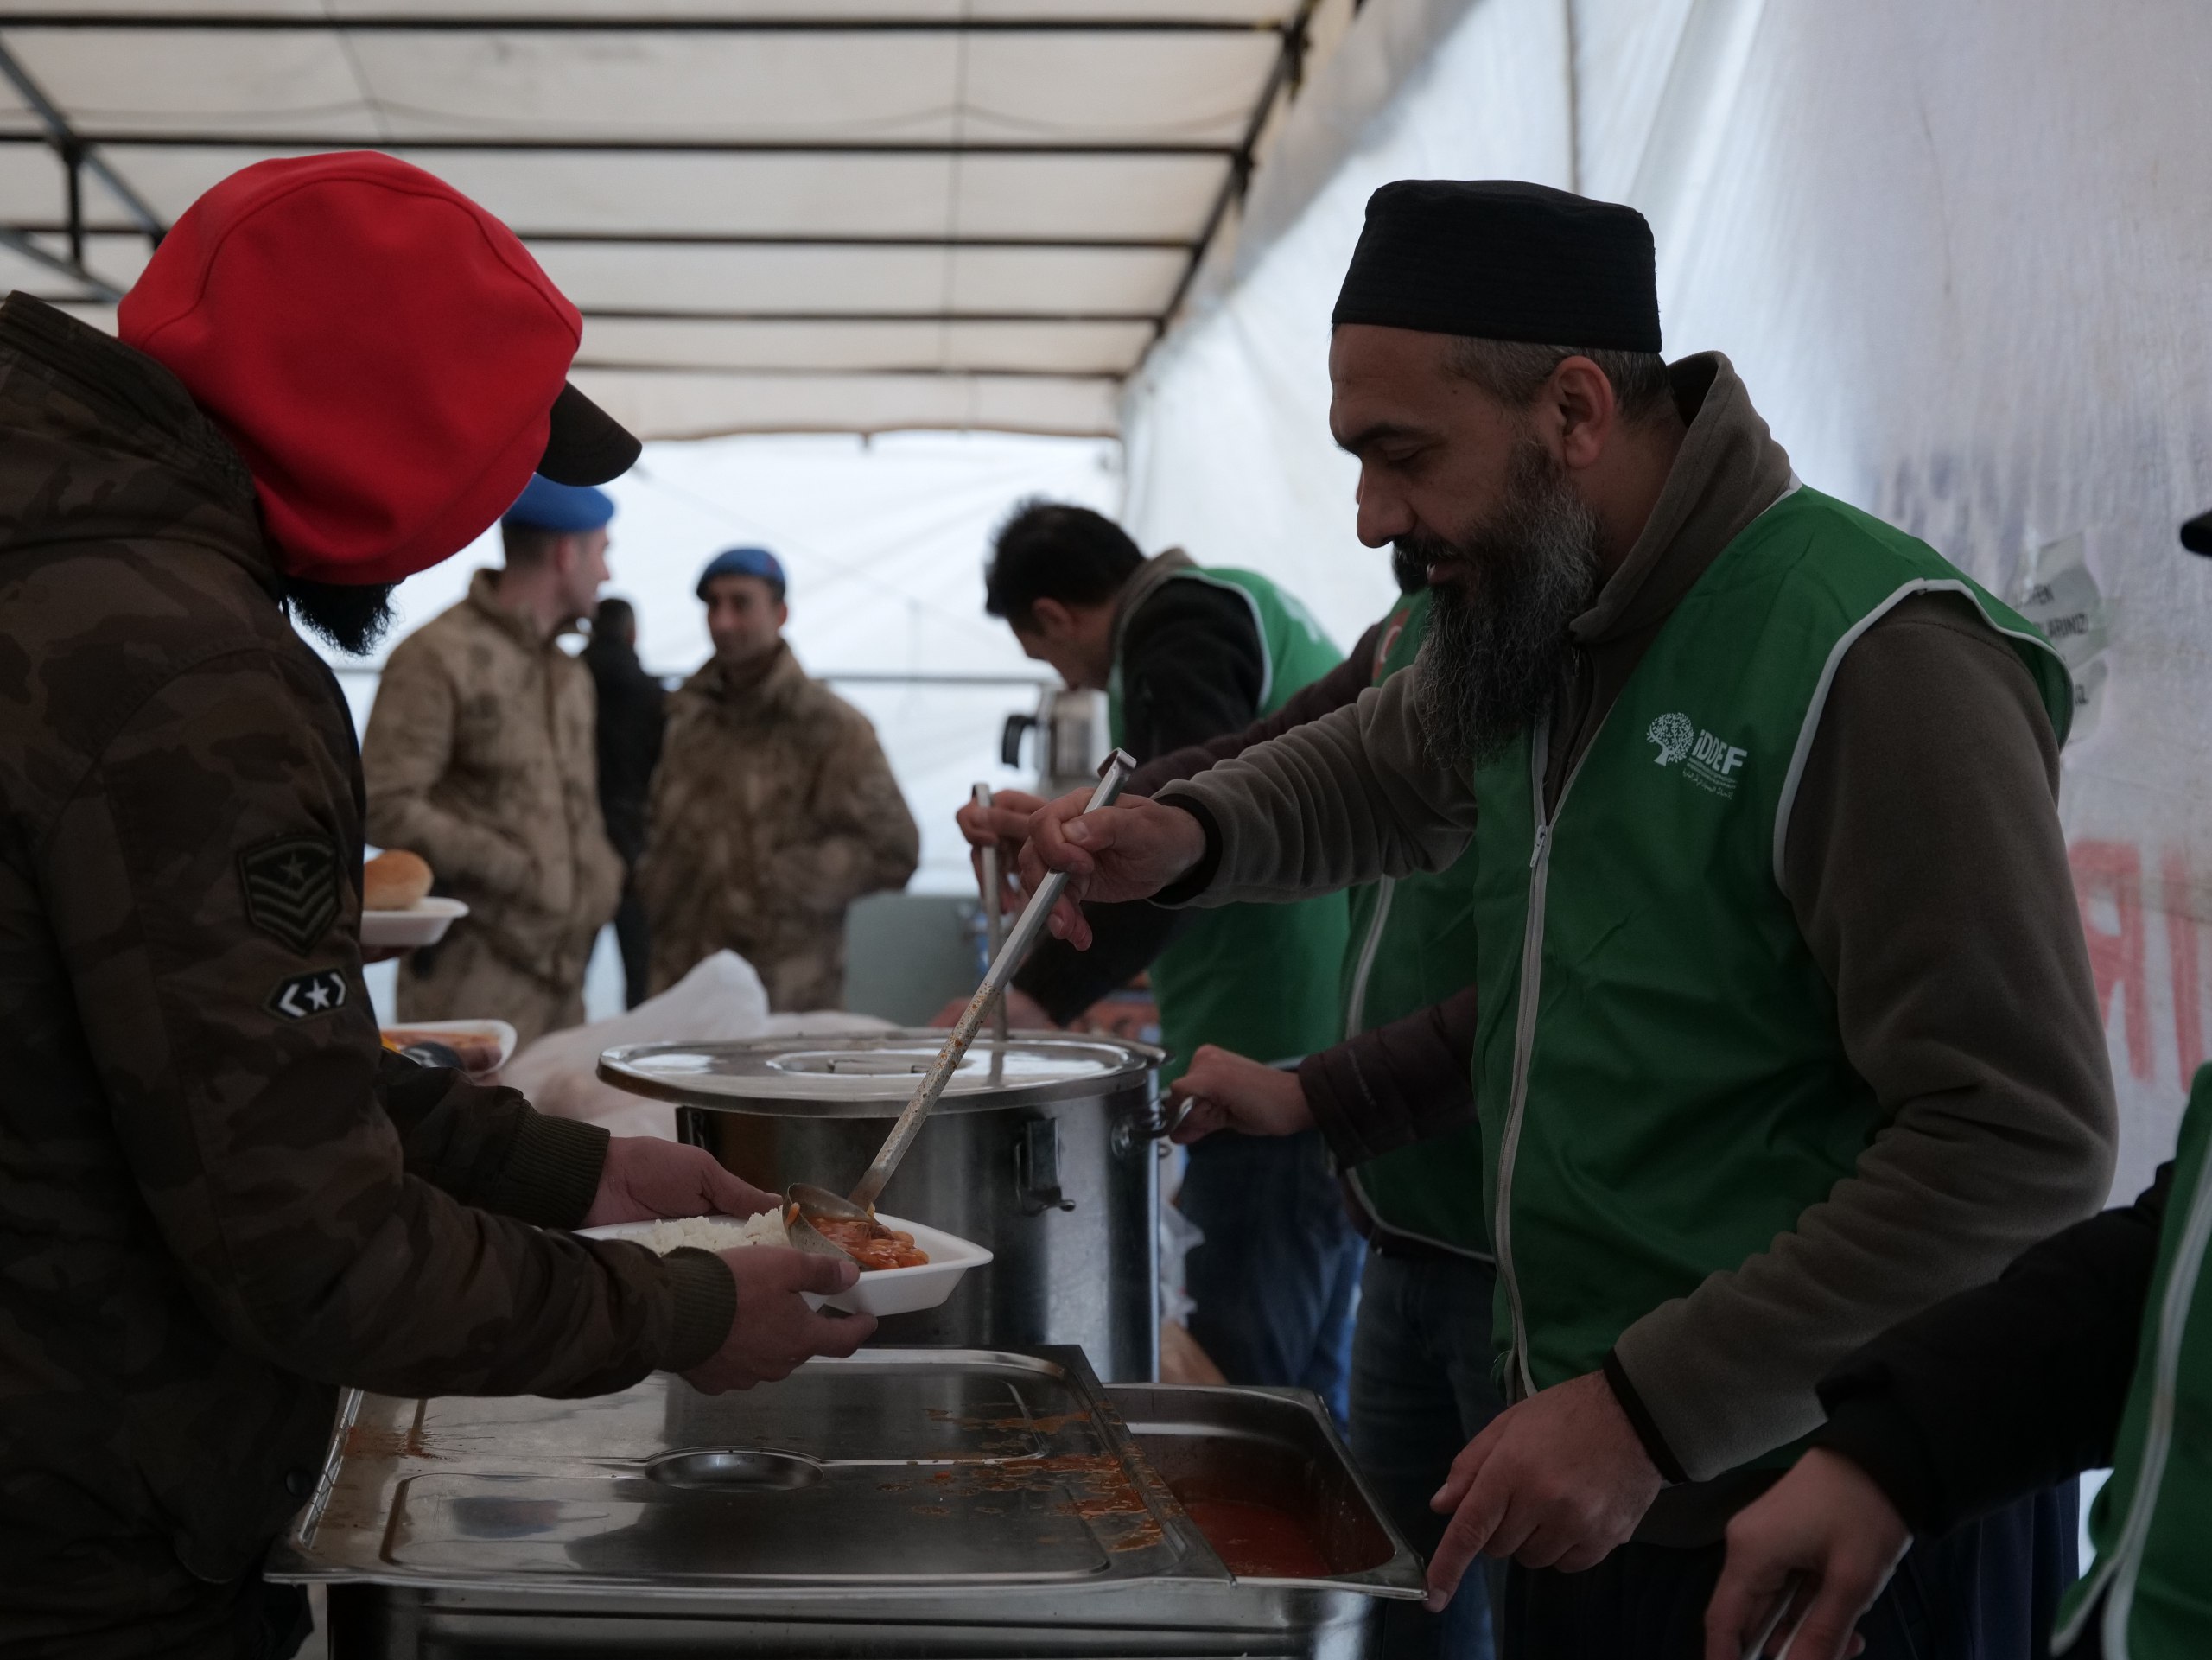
{"points": [[1786, 1028], [221, 1199]]}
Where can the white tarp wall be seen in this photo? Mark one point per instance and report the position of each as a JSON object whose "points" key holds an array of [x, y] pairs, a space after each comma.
{"points": [[1963, 256]]}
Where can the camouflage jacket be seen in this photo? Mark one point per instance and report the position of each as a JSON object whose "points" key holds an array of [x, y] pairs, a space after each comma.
{"points": [[480, 756], [220, 1199], [772, 810]]}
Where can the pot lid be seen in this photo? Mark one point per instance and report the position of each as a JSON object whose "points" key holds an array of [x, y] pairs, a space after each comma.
{"points": [[873, 1075]]}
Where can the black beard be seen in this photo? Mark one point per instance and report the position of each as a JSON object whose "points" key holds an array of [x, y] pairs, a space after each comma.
{"points": [[351, 618], [1409, 566], [1497, 630]]}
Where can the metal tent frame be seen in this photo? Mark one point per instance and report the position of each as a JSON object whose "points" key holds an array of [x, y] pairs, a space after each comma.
{"points": [[963, 213]]}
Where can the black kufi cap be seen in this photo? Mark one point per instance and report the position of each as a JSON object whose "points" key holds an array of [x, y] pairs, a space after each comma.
{"points": [[1501, 260]]}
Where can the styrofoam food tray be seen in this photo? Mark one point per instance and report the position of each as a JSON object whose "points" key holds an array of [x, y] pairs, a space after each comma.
{"points": [[884, 1290], [423, 924]]}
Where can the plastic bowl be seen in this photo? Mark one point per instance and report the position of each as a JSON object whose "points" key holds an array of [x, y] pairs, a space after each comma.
{"points": [[419, 924], [881, 1291]]}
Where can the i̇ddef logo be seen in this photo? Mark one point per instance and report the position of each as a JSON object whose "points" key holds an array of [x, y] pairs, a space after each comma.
{"points": [[1712, 762]]}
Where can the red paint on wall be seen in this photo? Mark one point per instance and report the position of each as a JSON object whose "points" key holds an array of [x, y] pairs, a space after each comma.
{"points": [[2181, 955], [2114, 871]]}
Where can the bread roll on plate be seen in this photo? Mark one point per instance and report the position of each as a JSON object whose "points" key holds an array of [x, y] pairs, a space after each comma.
{"points": [[395, 880]]}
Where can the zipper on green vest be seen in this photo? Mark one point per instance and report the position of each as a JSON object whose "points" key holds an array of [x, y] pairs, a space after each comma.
{"points": [[2114, 1578], [1524, 1029], [1356, 1004]]}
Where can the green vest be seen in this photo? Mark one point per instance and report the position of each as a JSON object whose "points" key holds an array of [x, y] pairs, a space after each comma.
{"points": [[1664, 1089], [2152, 1521], [1262, 980], [1413, 943]]}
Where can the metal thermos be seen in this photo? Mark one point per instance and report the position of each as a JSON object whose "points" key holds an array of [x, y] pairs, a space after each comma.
{"points": [[1072, 739]]}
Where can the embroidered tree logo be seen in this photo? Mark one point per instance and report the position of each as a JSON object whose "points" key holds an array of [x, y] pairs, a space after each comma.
{"points": [[1674, 735]]}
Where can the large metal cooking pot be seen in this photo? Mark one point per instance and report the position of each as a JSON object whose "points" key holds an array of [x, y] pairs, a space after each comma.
{"points": [[1044, 1148]]}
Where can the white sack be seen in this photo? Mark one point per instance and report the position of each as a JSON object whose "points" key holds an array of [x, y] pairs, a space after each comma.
{"points": [[720, 999]]}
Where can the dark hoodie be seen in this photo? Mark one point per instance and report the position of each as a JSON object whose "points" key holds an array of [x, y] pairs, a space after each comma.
{"points": [[220, 1199]]}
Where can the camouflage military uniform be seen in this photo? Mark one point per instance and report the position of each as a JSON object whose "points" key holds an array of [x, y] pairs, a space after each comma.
{"points": [[220, 1200], [772, 811], [480, 756]]}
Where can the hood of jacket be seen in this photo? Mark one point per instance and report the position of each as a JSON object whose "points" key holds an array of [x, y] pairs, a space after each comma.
{"points": [[104, 446], [1728, 472]]}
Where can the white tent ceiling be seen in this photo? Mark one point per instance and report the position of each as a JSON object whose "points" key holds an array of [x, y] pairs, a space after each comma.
{"points": [[775, 214]]}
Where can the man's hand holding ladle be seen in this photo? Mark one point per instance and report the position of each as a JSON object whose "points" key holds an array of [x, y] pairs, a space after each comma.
{"points": [[1126, 851]]}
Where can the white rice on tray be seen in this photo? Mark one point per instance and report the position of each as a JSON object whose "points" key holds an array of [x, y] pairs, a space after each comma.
{"points": [[714, 1232]]}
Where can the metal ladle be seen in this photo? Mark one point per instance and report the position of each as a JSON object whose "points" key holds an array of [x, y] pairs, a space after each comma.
{"points": [[812, 1201], [995, 930]]}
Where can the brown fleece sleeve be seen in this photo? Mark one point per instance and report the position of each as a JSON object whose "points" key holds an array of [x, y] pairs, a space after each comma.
{"points": [[1129, 937], [1927, 868], [1341, 685], [1396, 1084], [1354, 795]]}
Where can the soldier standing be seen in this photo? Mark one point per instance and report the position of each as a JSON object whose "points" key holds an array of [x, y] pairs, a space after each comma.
{"points": [[480, 756], [774, 808]]}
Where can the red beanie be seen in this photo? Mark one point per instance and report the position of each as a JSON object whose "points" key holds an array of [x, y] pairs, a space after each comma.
{"points": [[383, 352]]}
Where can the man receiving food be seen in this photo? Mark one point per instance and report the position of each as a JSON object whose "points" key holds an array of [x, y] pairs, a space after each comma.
{"points": [[482, 756], [222, 1201], [1780, 1035]]}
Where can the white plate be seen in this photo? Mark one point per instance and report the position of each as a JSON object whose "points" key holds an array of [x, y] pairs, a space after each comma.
{"points": [[420, 925], [884, 1290], [498, 1029]]}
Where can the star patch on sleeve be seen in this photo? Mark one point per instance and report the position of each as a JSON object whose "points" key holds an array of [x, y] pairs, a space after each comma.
{"points": [[291, 888], [306, 995]]}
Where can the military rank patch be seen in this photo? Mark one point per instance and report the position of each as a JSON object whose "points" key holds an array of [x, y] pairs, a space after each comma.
{"points": [[306, 995], [291, 888]]}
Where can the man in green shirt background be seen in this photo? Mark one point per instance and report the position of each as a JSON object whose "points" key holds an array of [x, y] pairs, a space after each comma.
{"points": [[1186, 653], [1394, 1104]]}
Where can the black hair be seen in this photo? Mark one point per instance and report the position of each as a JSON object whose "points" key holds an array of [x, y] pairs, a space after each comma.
{"points": [[351, 616], [1050, 550], [615, 619], [528, 544], [1514, 371]]}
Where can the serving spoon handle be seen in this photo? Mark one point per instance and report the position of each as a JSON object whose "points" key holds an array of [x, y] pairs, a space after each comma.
{"points": [[1112, 775]]}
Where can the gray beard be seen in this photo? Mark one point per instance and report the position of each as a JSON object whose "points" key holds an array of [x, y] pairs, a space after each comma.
{"points": [[1497, 633]]}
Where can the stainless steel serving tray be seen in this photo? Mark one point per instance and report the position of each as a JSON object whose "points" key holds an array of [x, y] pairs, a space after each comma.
{"points": [[896, 1467], [873, 1076], [928, 1504]]}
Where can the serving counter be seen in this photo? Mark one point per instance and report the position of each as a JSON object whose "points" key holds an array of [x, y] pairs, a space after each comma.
{"points": [[919, 1502]]}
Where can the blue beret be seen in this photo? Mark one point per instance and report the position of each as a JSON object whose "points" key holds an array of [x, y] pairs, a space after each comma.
{"points": [[565, 508], [744, 562]]}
